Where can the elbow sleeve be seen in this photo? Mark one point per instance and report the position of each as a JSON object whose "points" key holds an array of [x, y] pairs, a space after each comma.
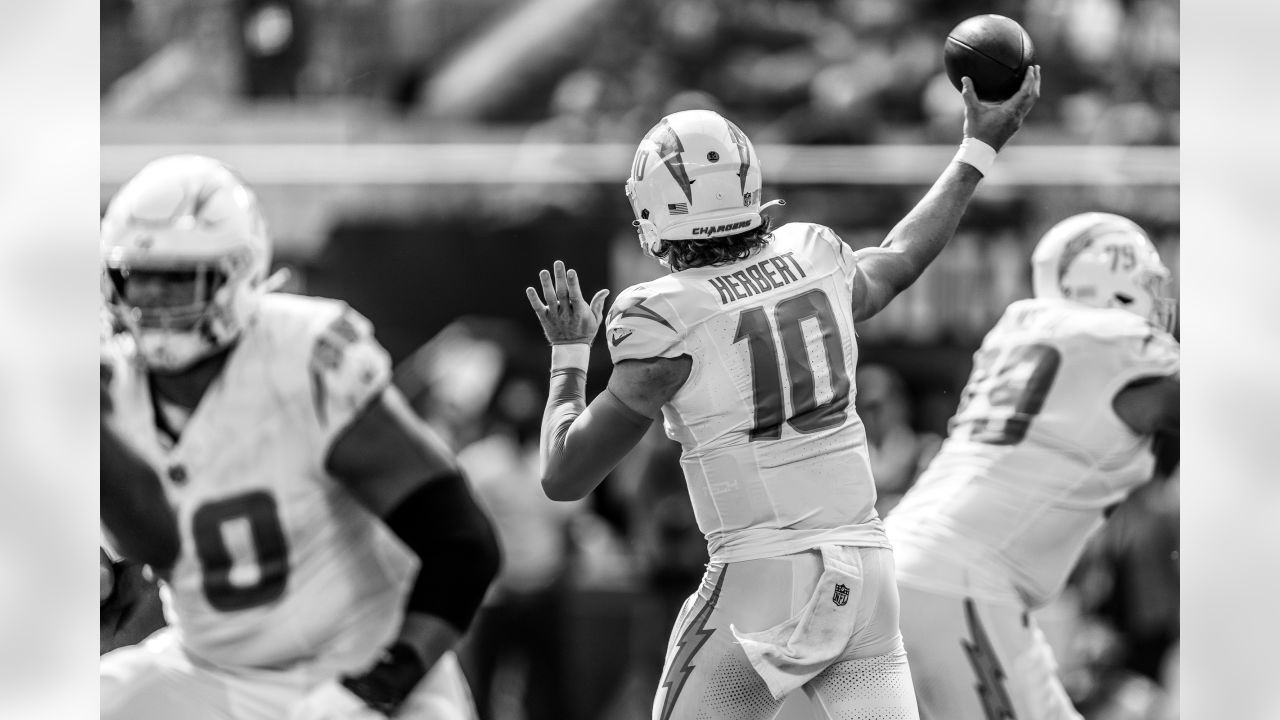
{"points": [[456, 545]]}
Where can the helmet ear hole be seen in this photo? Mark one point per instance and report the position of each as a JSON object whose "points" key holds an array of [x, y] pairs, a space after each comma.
{"points": [[644, 214]]}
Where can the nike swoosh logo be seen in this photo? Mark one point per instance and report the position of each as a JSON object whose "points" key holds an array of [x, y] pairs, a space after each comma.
{"points": [[619, 335], [639, 309]]}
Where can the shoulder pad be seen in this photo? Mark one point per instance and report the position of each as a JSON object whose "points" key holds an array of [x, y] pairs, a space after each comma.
{"points": [[819, 244], [348, 367]]}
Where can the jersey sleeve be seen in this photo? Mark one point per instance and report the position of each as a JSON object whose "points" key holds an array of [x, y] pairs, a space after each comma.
{"points": [[643, 324], [1155, 354], [846, 264], [347, 369], [1123, 348]]}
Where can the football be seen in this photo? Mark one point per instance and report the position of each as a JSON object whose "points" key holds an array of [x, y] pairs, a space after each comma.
{"points": [[993, 51]]}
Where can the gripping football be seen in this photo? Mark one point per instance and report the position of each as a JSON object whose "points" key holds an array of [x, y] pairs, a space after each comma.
{"points": [[993, 51]]}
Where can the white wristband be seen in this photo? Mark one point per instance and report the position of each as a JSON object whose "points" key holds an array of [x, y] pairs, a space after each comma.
{"points": [[570, 356], [977, 154]]}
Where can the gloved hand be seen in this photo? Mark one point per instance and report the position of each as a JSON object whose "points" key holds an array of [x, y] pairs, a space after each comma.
{"points": [[332, 701], [373, 694]]}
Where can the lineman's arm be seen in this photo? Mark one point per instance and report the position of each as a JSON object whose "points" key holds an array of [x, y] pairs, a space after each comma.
{"points": [[916, 240], [1150, 405], [133, 506], [404, 474]]}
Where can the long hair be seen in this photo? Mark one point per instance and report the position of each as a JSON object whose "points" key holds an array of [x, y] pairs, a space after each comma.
{"points": [[685, 254]]}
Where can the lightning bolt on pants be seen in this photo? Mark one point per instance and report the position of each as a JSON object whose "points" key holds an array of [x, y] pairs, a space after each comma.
{"points": [[977, 660], [707, 675]]}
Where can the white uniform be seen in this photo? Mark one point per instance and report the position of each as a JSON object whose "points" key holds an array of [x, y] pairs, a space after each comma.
{"points": [[776, 464], [994, 526], [284, 579]]}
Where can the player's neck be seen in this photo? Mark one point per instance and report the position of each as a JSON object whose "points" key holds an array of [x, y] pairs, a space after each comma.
{"points": [[186, 387]]}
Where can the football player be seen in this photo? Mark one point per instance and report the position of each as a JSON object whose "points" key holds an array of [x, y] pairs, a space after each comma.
{"points": [[1054, 426], [330, 551], [747, 350]]}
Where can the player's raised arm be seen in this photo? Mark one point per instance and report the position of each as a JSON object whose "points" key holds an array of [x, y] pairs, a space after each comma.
{"points": [[580, 444], [916, 240]]}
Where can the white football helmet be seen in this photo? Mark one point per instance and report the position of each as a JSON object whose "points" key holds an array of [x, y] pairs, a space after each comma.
{"points": [[694, 176], [1103, 260], [189, 224]]}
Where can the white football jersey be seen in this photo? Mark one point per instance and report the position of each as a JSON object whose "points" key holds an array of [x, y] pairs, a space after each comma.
{"points": [[1035, 454], [774, 455], [279, 563]]}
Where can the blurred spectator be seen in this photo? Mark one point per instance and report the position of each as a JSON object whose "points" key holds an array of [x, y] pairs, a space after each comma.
{"points": [[804, 71], [898, 453], [1098, 684], [1130, 576], [191, 62], [1120, 644]]}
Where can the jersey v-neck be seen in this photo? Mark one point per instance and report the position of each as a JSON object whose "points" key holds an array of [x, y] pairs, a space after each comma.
{"points": [[173, 418]]}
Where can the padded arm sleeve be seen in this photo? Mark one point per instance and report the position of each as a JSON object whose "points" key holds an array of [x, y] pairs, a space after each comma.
{"points": [[455, 544]]}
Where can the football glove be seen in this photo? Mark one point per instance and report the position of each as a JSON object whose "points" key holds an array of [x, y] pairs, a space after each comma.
{"points": [[385, 687], [332, 701], [373, 694]]}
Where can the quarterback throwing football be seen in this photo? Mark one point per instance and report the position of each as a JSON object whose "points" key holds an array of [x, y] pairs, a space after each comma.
{"points": [[747, 350]]}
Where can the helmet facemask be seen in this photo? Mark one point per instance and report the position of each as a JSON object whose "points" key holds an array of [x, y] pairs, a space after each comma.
{"points": [[182, 312], [185, 253], [1159, 309]]}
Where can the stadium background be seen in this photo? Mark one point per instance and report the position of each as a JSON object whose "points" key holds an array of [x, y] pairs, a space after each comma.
{"points": [[422, 159]]}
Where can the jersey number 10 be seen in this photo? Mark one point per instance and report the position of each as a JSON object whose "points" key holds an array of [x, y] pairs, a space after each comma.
{"points": [[807, 416]]}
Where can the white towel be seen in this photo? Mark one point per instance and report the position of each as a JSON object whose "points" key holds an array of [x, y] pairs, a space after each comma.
{"points": [[790, 654]]}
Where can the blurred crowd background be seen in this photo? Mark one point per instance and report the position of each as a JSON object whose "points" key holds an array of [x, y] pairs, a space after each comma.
{"points": [[423, 159]]}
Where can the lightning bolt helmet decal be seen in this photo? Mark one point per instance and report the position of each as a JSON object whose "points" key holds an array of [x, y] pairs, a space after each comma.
{"points": [[744, 153], [670, 149]]}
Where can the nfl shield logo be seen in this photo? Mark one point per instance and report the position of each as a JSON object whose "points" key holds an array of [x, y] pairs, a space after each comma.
{"points": [[841, 595]]}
